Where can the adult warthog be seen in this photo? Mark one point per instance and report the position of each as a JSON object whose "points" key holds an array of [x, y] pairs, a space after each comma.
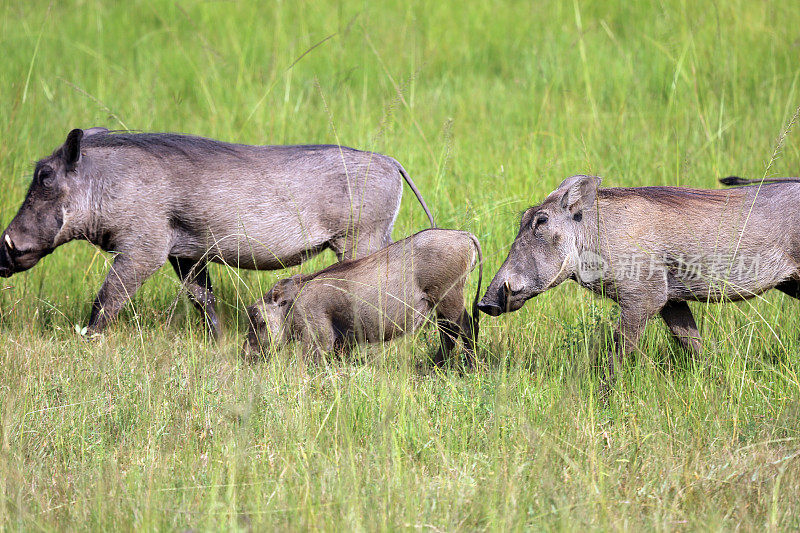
{"points": [[652, 249], [154, 197]]}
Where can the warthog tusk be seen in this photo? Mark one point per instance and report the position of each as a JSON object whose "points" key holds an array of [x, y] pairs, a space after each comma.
{"points": [[558, 275], [9, 242], [507, 287]]}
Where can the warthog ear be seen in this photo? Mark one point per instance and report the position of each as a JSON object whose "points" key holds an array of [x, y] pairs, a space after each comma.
{"points": [[579, 192], [72, 148], [283, 292], [276, 293]]}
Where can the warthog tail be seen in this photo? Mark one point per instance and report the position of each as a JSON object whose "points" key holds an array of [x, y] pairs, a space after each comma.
{"points": [[416, 193], [475, 313]]}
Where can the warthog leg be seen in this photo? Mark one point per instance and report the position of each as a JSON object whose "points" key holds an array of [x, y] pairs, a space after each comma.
{"points": [[631, 325], [454, 321], [123, 280], [681, 323], [790, 287], [197, 283], [316, 336], [449, 331], [468, 336]]}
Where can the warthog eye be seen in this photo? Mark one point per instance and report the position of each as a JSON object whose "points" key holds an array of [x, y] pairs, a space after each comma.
{"points": [[541, 219], [47, 176]]}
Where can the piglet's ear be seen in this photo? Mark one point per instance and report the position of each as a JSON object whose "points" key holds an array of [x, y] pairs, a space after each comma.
{"points": [[276, 293], [284, 291], [579, 193], [72, 149]]}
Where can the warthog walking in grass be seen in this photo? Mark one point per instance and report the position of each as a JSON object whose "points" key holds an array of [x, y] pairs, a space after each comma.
{"points": [[652, 249], [375, 298], [157, 197]]}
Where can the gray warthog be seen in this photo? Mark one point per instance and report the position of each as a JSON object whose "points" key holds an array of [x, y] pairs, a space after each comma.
{"points": [[153, 197], [375, 298], [651, 249]]}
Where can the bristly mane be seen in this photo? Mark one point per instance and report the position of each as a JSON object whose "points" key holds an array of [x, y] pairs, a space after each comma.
{"points": [[667, 195], [163, 145]]}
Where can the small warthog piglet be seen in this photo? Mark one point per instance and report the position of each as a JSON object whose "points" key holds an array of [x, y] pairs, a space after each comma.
{"points": [[376, 298]]}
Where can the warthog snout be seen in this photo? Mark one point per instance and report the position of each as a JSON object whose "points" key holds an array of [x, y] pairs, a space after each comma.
{"points": [[8, 252], [493, 305], [6, 267], [502, 296], [17, 255]]}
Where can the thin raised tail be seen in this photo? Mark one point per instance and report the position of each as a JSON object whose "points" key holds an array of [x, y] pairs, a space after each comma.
{"points": [[475, 313], [416, 193]]}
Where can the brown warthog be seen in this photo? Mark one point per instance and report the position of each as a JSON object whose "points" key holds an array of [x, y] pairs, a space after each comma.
{"points": [[153, 197], [652, 249], [375, 298]]}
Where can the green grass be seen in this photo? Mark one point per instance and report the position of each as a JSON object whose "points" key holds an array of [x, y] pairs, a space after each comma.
{"points": [[488, 106]]}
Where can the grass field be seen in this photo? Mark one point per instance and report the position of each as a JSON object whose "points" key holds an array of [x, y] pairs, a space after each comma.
{"points": [[488, 106]]}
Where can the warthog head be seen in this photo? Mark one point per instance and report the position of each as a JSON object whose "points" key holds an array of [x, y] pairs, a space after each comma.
{"points": [[57, 203], [268, 316], [546, 249]]}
